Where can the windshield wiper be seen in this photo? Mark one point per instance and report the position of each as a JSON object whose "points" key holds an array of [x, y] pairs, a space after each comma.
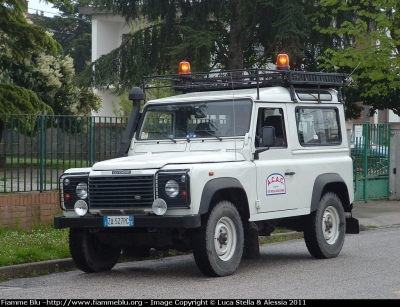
{"points": [[166, 135], [210, 133]]}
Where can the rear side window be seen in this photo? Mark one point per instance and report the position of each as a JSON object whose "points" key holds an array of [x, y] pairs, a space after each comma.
{"points": [[318, 126], [314, 95]]}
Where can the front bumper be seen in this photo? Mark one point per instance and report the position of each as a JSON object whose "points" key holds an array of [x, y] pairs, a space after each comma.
{"points": [[177, 221]]}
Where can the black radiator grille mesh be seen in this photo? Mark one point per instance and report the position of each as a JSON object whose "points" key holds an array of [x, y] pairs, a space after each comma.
{"points": [[121, 191]]}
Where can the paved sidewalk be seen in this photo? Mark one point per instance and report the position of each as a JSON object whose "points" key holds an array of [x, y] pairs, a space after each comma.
{"points": [[381, 213], [371, 213]]}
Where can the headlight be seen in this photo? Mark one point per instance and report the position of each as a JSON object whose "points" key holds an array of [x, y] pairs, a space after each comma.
{"points": [[171, 188], [73, 187], [82, 190]]}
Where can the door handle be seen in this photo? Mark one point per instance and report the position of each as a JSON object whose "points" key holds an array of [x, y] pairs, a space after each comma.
{"points": [[290, 173]]}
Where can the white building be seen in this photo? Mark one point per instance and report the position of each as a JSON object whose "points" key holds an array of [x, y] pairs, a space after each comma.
{"points": [[107, 31]]}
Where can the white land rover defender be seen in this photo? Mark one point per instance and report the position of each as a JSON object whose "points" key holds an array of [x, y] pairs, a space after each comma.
{"points": [[233, 156]]}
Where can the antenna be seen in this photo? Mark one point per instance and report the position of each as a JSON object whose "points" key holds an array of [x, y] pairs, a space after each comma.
{"points": [[354, 70], [234, 112]]}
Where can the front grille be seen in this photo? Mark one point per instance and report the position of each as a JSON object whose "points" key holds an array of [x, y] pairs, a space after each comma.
{"points": [[121, 191]]}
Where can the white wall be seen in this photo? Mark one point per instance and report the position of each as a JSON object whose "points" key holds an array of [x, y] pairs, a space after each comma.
{"points": [[107, 31], [393, 118]]}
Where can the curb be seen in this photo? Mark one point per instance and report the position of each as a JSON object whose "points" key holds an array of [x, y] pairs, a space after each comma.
{"points": [[36, 268]]}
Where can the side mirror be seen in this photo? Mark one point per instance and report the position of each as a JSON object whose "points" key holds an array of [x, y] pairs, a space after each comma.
{"points": [[268, 136], [268, 140]]}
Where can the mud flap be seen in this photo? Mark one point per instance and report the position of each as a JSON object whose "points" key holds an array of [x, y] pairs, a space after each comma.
{"points": [[352, 225], [251, 248]]}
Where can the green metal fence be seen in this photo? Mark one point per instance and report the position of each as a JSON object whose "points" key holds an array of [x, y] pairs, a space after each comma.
{"points": [[35, 150], [370, 151]]}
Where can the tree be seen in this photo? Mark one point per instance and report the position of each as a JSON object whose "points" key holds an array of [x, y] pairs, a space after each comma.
{"points": [[34, 77], [51, 79], [359, 38], [20, 35], [230, 34], [18, 38], [32, 66], [72, 31], [367, 48]]}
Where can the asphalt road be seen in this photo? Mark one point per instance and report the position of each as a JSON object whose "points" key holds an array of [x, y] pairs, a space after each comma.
{"points": [[366, 268]]}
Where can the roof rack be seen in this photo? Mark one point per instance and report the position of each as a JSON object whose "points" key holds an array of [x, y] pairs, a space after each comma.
{"points": [[245, 79]]}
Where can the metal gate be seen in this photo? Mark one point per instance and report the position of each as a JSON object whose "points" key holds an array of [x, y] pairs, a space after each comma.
{"points": [[370, 151]]}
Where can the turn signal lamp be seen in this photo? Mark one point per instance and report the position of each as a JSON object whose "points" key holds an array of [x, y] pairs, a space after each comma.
{"points": [[184, 68], [282, 62]]}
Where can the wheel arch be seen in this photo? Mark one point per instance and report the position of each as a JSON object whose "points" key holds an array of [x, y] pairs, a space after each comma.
{"points": [[330, 182], [226, 188]]}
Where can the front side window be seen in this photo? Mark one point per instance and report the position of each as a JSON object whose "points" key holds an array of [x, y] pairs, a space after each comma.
{"points": [[318, 126], [272, 117], [213, 119]]}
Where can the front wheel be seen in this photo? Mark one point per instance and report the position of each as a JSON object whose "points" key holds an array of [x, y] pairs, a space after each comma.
{"points": [[89, 254], [218, 244], [325, 228]]}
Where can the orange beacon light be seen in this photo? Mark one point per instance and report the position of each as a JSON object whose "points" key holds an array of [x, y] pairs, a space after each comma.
{"points": [[282, 62], [184, 68]]}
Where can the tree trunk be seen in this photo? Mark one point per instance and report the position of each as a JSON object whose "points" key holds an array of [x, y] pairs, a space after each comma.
{"points": [[235, 53]]}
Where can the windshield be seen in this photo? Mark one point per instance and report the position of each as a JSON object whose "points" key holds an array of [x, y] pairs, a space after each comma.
{"points": [[211, 119]]}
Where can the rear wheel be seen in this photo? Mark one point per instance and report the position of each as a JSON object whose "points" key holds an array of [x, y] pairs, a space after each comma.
{"points": [[89, 254], [218, 244], [325, 228]]}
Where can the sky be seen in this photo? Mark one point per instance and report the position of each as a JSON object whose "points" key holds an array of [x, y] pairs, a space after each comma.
{"points": [[40, 5]]}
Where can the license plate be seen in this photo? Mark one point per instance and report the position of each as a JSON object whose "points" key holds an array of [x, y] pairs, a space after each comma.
{"points": [[118, 221]]}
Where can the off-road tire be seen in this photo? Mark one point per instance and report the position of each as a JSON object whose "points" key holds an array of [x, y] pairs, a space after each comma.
{"points": [[89, 254], [218, 244], [325, 228]]}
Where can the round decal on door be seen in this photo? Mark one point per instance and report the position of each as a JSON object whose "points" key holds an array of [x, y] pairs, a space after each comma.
{"points": [[276, 184]]}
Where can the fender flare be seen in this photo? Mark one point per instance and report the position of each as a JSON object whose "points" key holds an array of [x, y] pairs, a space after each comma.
{"points": [[213, 186], [320, 182]]}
